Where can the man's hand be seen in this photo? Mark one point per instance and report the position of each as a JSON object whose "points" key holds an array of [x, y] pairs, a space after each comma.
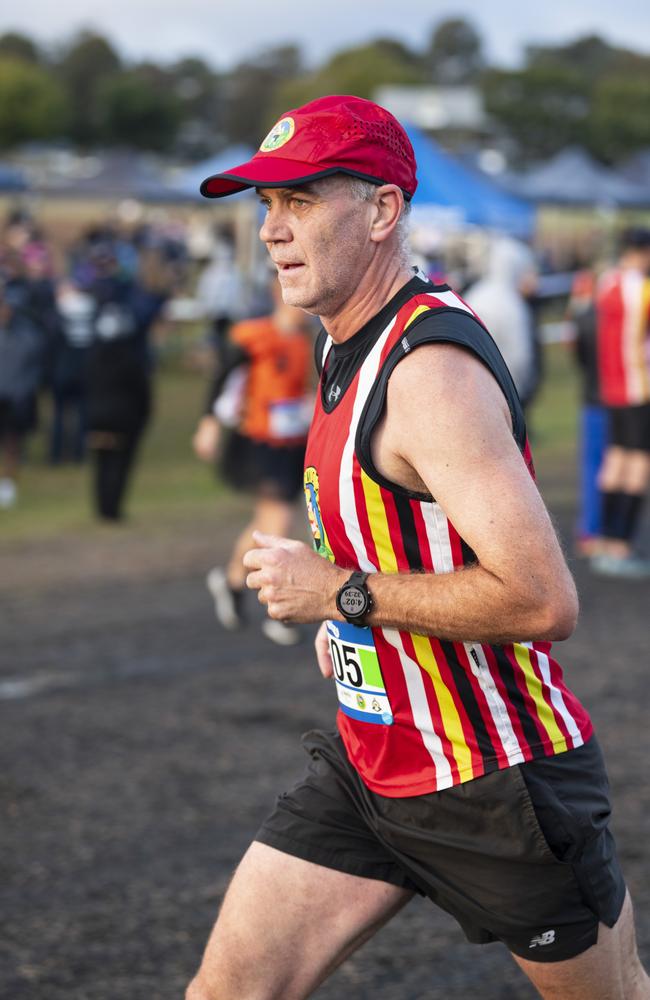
{"points": [[295, 583], [206, 439]]}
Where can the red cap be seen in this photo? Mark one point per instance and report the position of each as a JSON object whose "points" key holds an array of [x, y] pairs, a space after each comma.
{"points": [[328, 136]]}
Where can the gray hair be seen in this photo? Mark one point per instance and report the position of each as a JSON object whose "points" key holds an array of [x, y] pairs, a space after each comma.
{"points": [[365, 191]]}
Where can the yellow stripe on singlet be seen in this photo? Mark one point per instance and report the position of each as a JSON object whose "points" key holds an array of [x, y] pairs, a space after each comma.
{"points": [[379, 525], [450, 717], [544, 711], [414, 315], [641, 358]]}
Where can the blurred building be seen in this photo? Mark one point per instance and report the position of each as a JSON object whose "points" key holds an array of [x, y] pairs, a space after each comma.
{"points": [[455, 116]]}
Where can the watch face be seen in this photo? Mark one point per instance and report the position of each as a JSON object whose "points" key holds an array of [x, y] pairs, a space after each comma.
{"points": [[353, 601]]}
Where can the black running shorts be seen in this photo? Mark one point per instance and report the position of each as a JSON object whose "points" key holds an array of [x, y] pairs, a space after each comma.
{"points": [[629, 427], [265, 470], [522, 855]]}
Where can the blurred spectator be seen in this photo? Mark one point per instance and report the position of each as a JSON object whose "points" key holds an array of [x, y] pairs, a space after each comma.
{"points": [[623, 318], [119, 372], [499, 300], [22, 361], [261, 391], [221, 293], [592, 435], [68, 372]]}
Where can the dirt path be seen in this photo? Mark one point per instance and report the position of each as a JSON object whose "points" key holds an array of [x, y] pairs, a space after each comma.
{"points": [[140, 747]]}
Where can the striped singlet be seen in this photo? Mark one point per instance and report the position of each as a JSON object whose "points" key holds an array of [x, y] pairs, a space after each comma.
{"points": [[418, 714], [623, 316]]}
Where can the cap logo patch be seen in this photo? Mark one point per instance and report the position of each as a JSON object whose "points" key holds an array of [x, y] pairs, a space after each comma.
{"points": [[278, 135]]}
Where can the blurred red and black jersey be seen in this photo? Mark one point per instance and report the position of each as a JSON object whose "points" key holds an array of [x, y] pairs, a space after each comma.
{"points": [[623, 317]]}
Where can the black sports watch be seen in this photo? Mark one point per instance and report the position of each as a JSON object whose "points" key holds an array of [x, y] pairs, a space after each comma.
{"points": [[354, 600]]}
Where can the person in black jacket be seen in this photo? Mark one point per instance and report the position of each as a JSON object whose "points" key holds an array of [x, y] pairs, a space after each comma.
{"points": [[118, 379]]}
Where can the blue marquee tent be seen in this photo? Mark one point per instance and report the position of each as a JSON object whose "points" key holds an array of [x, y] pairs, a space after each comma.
{"points": [[447, 187], [11, 179], [189, 182], [572, 177]]}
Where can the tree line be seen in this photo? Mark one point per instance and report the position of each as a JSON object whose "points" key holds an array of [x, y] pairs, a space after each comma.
{"points": [[586, 92]]}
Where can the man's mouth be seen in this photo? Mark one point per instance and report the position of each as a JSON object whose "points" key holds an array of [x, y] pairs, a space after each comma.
{"points": [[284, 267]]}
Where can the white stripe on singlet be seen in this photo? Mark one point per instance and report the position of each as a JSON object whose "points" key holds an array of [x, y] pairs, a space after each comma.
{"points": [[495, 702], [437, 529], [632, 295], [349, 517], [557, 698], [420, 709], [347, 501], [450, 299]]}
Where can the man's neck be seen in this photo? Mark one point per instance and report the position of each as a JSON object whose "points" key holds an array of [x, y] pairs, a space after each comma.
{"points": [[377, 287]]}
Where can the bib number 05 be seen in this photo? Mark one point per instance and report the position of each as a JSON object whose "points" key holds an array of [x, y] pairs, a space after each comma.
{"points": [[359, 684]]}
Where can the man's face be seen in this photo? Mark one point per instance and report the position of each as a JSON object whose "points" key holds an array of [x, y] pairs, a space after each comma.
{"points": [[318, 238]]}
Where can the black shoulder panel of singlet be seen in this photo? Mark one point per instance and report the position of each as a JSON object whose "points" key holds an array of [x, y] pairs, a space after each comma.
{"points": [[344, 360], [442, 325], [319, 345]]}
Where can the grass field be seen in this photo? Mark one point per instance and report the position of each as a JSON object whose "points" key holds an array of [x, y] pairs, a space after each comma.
{"points": [[170, 484]]}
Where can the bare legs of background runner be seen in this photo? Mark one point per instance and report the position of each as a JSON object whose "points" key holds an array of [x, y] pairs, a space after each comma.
{"points": [[270, 516]]}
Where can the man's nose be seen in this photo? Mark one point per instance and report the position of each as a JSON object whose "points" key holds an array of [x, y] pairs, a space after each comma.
{"points": [[274, 228]]}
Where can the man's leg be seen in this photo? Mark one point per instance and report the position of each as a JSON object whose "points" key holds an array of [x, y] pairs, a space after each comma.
{"points": [[610, 970], [286, 924], [270, 516]]}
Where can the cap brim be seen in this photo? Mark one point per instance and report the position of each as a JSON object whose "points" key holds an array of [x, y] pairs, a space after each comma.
{"points": [[263, 171]]}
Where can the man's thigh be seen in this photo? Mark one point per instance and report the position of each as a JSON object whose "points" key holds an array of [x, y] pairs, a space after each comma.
{"points": [[285, 924]]}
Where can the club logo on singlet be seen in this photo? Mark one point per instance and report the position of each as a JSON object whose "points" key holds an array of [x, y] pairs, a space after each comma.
{"points": [[321, 541], [279, 135]]}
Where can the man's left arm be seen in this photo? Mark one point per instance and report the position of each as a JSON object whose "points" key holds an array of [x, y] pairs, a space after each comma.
{"points": [[446, 431]]}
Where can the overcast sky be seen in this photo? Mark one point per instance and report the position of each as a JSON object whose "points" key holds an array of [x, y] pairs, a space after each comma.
{"points": [[224, 32]]}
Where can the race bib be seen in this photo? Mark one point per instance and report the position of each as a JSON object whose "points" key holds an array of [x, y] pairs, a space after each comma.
{"points": [[289, 418], [359, 684]]}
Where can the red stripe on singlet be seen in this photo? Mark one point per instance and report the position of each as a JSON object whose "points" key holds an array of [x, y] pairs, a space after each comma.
{"points": [[362, 513], [484, 708], [513, 714], [394, 530], [434, 709], [478, 766], [455, 545], [421, 532], [520, 681]]}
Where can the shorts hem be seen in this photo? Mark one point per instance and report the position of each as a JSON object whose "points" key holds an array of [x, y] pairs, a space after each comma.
{"points": [[332, 860], [563, 954]]}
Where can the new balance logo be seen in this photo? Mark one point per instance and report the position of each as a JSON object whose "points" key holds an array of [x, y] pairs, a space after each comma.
{"points": [[406, 347], [548, 937]]}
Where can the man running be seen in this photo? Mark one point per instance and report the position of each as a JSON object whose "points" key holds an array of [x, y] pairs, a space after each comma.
{"points": [[462, 768]]}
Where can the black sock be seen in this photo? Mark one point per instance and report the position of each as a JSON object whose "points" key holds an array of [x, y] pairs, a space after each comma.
{"points": [[612, 502], [631, 505]]}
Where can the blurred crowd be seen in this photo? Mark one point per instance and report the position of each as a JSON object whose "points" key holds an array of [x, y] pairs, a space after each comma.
{"points": [[82, 334], [77, 325], [79, 330]]}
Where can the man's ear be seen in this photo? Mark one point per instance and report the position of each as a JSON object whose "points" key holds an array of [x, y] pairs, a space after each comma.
{"points": [[389, 203]]}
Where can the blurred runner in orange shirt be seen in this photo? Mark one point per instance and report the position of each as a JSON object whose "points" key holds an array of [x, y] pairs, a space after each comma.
{"points": [[260, 395]]}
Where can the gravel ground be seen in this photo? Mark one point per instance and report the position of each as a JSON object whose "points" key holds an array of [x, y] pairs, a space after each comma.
{"points": [[140, 747]]}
